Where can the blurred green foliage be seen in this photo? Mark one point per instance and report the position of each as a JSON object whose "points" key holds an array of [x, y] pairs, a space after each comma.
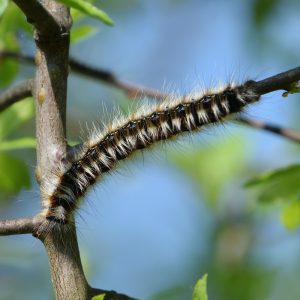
{"points": [[14, 174], [280, 185], [13, 117], [80, 32], [262, 10], [12, 22], [211, 167], [3, 5], [290, 216]]}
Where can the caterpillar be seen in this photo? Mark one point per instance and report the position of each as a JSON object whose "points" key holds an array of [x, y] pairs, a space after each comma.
{"points": [[165, 120]]}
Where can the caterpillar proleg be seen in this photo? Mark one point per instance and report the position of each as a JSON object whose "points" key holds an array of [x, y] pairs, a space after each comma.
{"points": [[103, 150]]}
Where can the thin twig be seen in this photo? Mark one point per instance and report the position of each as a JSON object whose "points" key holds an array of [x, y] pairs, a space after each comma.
{"points": [[280, 81], [16, 93], [131, 90], [288, 133], [16, 55]]}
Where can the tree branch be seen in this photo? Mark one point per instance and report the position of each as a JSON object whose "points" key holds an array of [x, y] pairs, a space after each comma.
{"points": [[16, 93], [78, 67], [40, 15], [132, 91], [52, 25], [280, 81], [16, 55], [19, 226], [284, 132]]}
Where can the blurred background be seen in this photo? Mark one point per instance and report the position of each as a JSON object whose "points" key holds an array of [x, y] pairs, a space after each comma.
{"points": [[169, 215]]}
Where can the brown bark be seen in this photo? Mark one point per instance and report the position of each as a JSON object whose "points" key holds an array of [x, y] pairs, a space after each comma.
{"points": [[52, 23]]}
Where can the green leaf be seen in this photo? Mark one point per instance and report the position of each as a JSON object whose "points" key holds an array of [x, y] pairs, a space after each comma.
{"points": [[14, 174], [280, 184], [290, 216], [21, 143], [15, 116], [99, 297], [79, 33], [3, 5], [213, 167], [200, 292], [77, 15], [88, 9]]}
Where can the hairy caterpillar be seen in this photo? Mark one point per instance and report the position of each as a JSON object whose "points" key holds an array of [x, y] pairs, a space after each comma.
{"points": [[163, 121]]}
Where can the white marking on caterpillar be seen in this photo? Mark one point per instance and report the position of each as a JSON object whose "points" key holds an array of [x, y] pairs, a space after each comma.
{"points": [[101, 152]]}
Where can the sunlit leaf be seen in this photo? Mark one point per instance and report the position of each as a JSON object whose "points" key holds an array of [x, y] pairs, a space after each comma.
{"points": [[200, 292], [99, 297], [213, 166], [21, 143], [14, 174], [3, 5], [15, 116], [81, 32], [279, 184], [77, 14], [88, 9], [290, 216]]}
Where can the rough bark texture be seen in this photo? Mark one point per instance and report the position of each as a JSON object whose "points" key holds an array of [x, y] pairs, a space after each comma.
{"points": [[52, 56], [66, 270], [52, 23]]}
